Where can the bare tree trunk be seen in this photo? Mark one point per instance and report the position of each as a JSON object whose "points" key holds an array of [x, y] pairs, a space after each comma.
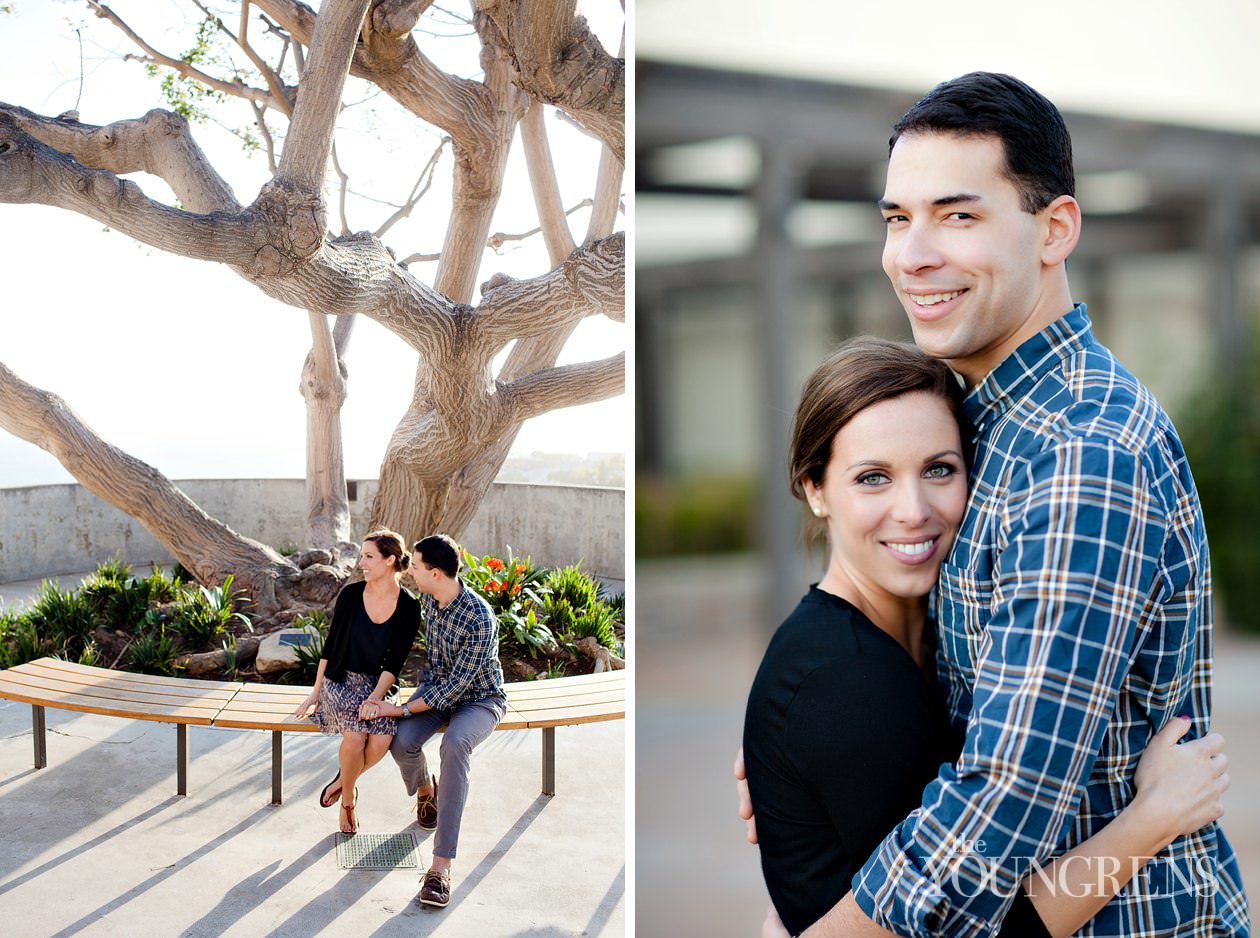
{"points": [[406, 501], [324, 388]]}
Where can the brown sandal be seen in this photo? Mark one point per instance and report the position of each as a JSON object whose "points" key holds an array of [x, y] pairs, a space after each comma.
{"points": [[350, 821]]}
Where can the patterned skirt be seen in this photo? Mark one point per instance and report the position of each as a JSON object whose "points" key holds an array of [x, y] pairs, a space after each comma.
{"points": [[338, 707]]}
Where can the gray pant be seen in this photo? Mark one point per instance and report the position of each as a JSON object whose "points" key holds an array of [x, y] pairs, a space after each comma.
{"points": [[469, 725]]}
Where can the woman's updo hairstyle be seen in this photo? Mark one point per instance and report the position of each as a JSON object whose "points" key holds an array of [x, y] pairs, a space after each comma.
{"points": [[391, 544], [861, 372]]}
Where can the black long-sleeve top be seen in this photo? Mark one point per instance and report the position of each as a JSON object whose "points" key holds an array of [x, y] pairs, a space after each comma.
{"points": [[842, 733], [398, 634]]}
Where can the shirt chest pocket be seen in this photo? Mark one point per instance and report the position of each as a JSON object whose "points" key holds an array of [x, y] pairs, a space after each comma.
{"points": [[963, 603]]}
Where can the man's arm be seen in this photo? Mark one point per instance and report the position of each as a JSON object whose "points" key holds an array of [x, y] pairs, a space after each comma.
{"points": [[1082, 539]]}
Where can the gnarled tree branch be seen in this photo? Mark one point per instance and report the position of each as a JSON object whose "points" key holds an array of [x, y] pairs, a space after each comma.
{"points": [[591, 280], [565, 386], [210, 549], [559, 60], [160, 143]]}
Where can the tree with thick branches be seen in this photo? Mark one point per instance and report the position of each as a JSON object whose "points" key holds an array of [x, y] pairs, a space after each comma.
{"points": [[469, 398]]}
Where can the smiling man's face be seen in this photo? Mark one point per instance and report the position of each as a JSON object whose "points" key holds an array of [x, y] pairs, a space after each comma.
{"points": [[965, 259]]}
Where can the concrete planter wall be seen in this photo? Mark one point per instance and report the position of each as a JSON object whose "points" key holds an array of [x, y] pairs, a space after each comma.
{"points": [[51, 530]]}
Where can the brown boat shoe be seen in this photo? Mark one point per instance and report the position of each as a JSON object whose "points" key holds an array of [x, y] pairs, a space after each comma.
{"points": [[426, 809], [435, 889]]}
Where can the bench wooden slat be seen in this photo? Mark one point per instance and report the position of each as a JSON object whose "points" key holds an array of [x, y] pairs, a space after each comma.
{"points": [[578, 706], [569, 716], [90, 699], [119, 688], [575, 696], [261, 720], [249, 693], [158, 713], [90, 673]]}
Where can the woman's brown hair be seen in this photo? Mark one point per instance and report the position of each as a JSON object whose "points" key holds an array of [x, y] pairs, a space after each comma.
{"points": [[861, 372], [391, 544]]}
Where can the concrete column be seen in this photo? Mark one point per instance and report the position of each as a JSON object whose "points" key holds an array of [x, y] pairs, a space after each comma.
{"points": [[778, 189], [1224, 230]]}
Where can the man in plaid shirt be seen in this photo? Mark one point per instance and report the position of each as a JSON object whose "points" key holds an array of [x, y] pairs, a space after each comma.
{"points": [[462, 688], [1074, 608]]}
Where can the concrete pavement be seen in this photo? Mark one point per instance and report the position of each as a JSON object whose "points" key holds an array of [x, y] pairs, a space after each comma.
{"points": [[99, 844]]}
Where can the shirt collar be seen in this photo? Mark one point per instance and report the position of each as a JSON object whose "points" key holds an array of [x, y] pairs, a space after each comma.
{"points": [[1012, 380]]}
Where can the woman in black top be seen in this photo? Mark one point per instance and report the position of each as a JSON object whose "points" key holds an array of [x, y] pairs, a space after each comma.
{"points": [[373, 626], [845, 725]]}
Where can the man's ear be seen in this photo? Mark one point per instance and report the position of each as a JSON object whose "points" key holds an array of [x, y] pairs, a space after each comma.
{"points": [[1062, 221]]}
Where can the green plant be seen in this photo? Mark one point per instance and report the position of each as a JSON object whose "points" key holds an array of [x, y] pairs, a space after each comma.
{"points": [[205, 612], [114, 570], [19, 640], [90, 655], [515, 589], [26, 644], [506, 584], [62, 617], [524, 633], [617, 603], [128, 606], [229, 656], [554, 669], [598, 621], [117, 599], [152, 653], [164, 587], [570, 583], [308, 655]]}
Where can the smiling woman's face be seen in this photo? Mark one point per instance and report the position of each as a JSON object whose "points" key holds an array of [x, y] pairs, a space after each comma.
{"points": [[893, 494], [372, 563]]}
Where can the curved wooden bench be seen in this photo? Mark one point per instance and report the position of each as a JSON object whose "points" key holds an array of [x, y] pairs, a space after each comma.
{"points": [[64, 685]]}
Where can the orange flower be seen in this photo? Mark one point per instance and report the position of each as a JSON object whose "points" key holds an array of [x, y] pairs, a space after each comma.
{"points": [[494, 563]]}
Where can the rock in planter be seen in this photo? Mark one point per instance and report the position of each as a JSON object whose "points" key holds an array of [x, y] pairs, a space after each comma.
{"points": [[604, 659], [518, 670], [211, 661], [276, 653], [313, 556]]}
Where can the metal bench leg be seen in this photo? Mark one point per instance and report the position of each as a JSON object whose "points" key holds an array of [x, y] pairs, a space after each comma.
{"points": [[41, 741], [549, 760], [181, 759], [277, 765]]}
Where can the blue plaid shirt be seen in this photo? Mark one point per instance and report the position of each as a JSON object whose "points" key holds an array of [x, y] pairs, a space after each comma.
{"points": [[1075, 619], [462, 643]]}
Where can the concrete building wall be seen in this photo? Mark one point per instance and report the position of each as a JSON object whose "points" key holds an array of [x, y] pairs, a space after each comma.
{"points": [[51, 530]]}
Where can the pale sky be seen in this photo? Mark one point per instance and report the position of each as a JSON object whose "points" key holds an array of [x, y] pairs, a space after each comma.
{"points": [[1157, 59], [183, 363]]}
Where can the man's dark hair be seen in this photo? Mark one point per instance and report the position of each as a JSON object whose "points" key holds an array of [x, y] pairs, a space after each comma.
{"points": [[438, 551], [1037, 144]]}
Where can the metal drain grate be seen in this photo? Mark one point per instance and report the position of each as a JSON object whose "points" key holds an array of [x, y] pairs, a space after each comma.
{"points": [[377, 852]]}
